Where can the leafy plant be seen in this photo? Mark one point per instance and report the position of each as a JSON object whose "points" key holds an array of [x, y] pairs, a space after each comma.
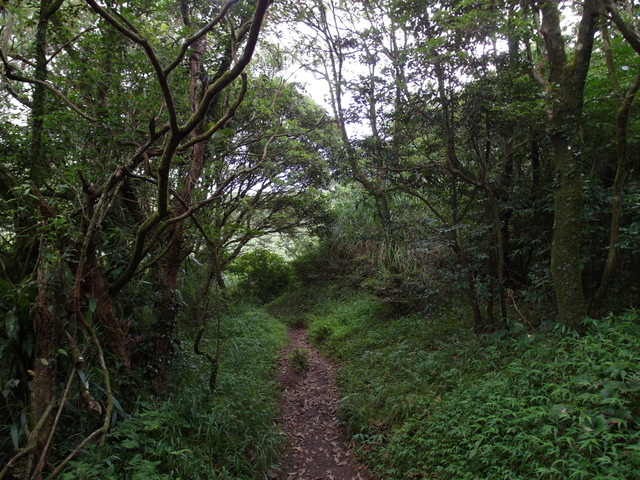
{"points": [[195, 435], [263, 275], [299, 360]]}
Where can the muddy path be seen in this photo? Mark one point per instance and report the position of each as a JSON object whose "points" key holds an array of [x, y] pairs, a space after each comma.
{"points": [[309, 404]]}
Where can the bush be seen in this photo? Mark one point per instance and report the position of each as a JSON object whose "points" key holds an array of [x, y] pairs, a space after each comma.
{"points": [[262, 275]]}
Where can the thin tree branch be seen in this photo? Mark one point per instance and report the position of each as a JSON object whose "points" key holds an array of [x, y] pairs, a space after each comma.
{"points": [[131, 33], [627, 32], [220, 123], [197, 35], [10, 74]]}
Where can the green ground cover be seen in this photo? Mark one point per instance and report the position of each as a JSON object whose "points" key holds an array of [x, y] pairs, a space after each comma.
{"points": [[427, 398], [195, 434]]}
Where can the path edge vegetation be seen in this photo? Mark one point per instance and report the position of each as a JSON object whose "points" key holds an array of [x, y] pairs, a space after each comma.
{"points": [[426, 397], [194, 432]]}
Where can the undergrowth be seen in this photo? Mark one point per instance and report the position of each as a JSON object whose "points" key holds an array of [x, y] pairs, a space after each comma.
{"points": [[299, 360], [196, 434], [427, 398]]}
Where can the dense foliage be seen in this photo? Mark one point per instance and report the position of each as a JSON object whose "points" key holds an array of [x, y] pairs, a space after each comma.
{"points": [[425, 397], [194, 433], [475, 170], [261, 276], [465, 133]]}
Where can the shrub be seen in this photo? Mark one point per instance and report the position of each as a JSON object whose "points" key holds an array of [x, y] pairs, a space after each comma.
{"points": [[321, 330], [262, 275]]}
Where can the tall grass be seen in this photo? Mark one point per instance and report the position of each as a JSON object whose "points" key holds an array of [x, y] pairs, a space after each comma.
{"points": [[196, 434]]}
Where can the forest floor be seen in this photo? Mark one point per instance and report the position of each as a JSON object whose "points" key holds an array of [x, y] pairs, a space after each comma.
{"points": [[318, 450]]}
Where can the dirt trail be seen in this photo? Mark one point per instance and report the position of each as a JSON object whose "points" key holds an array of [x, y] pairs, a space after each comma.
{"points": [[309, 404]]}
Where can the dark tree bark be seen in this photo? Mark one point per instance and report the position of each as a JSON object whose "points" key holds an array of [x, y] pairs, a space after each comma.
{"points": [[44, 378], [176, 253], [44, 325], [27, 248], [564, 85], [39, 168], [622, 155], [115, 332]]}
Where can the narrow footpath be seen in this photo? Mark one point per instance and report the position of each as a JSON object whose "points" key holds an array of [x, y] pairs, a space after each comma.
{"points": [[309, 404]]}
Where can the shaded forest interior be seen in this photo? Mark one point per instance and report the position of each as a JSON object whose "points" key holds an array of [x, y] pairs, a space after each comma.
{"points": [[445, 195]]}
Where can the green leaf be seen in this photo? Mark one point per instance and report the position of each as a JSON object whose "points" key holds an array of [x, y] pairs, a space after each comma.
{"points": [[558, 410], [24, 307], [594, 425], [15, 436], [11, 325], [130, 443], [5, 286], [93, 304]]}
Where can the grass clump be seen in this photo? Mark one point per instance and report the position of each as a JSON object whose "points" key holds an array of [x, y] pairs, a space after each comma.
{"points": [[294, 306], [299, 360], [194, 434], [430, 399]]}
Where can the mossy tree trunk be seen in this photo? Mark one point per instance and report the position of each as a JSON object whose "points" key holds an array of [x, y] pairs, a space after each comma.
{"points": [[564, 85], [45, 325]]}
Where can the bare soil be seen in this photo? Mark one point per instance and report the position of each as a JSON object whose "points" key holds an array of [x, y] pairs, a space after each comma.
{"points": [[318, 450]]}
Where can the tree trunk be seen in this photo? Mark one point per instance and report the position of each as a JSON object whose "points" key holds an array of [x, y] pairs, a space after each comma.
{"points": [[480, 325], [622, 172], [166, 322], [498, 264], [38, 168], [27, 251], [565, 92], [165, 325], [114, 332], [44, 378], [567, 233]]}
